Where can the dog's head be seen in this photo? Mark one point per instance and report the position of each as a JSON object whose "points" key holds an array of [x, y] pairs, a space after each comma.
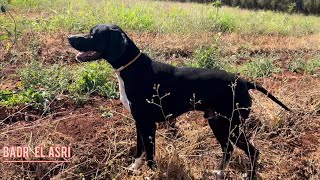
{"points": [[104, 41]]}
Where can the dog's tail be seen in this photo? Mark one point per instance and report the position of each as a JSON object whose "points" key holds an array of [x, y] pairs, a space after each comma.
{"points": [[258, 87]]}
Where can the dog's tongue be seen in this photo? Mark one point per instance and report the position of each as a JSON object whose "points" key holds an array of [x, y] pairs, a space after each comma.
{"points": [[88, 56]]}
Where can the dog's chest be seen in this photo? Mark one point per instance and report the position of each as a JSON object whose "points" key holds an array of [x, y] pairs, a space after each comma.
{"points": [[123, 95]]}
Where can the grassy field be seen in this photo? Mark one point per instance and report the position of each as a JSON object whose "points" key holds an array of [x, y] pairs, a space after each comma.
{"points": [[158, 17], [47, 98]]}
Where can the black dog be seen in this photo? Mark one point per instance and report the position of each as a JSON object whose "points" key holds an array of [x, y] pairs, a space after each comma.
{"points": [[154, 92]]}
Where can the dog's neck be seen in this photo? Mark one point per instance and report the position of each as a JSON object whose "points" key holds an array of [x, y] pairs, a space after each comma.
{"points": [[128, 64], [130, 53]]}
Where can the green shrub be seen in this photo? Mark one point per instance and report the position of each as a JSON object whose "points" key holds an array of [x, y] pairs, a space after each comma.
{"points": [[79, 83], [208, 57], [311, 66], [54, 78], [95, 77], [297, 66], [259, 67], [225, 23], [38, 99]]}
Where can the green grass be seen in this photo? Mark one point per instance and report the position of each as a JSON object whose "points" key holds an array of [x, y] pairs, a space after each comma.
{"points": [[211, 57], [40, 84], [311, 66], [153, 16], [260, 67]]}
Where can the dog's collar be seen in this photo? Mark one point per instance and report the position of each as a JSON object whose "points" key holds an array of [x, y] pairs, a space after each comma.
{"points": [[129, 63]]}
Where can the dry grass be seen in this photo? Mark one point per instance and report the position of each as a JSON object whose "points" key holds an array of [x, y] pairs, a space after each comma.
{"points": [[288, 142], [53, 48]]}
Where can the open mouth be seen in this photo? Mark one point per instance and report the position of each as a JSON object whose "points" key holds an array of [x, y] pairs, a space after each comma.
{"points": [[88, 56]]}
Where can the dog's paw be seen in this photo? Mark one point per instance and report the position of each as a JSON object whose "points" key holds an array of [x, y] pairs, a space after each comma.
{"points": [[152, 164], [138, 163], [220, 175], [248, 176]]}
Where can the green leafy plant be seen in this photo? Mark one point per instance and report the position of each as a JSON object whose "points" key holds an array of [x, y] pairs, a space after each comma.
{"points": [[94, 78], [297, 66], [208, 57], [217, 4], [311, 66], [55, 78], [260, 67], [37, 99], [79, 83]]}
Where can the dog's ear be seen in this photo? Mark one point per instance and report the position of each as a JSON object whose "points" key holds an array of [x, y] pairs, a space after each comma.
{"points": [[117, 44]]}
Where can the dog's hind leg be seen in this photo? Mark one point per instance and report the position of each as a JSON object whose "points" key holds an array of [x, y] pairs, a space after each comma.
{"points": [[240, 140], [220, 127]]}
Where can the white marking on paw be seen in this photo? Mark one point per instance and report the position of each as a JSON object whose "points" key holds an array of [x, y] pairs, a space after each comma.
{"points": [[123, 95], [220, 174], [138, 162], [77, 56]]}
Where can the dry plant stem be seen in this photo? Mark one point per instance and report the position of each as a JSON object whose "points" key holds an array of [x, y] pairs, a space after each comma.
{"points": [[15, 36], [12, 115], [157, 95]]}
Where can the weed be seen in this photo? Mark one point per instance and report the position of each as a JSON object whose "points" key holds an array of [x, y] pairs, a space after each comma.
{"points": [[37, 99], [225, 23], [311, 66], [297, 66], [94, 77], [107, 115], [55, 78], [208, 57], [79, 83], [260, 67]]}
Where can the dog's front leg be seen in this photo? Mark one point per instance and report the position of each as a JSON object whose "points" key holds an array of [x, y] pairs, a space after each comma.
{"points": [[139, 154], [140, 148], [145, 142], [147, 132]]}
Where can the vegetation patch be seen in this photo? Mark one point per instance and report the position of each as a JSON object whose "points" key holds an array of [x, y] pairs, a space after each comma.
{"points": [[40, 84], [311, 66], [95, 77], [260, 67], [38, 99], [154, 16], [207, 57]]}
